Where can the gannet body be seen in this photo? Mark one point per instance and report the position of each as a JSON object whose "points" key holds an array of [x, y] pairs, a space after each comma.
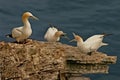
{"points": [[23, 32], [92, 44], [53, 35]]}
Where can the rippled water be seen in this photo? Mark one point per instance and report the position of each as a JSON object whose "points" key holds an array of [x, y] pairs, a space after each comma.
{"points": [[84, 17]]}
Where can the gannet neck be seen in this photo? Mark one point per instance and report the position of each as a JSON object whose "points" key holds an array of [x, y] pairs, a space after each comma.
{"points": [[56, 36], [26, 21], [79, 39], [80, 42]]}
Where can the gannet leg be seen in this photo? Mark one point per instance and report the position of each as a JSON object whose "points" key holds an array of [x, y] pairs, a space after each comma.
{"points": [[26, 41]]}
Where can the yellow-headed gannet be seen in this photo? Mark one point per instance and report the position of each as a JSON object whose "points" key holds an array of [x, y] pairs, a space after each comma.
{"points": [[92, 44], [53, 34], [23, 32]]}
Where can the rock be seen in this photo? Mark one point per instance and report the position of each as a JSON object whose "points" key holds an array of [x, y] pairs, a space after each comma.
{"points": [[37, 60]]}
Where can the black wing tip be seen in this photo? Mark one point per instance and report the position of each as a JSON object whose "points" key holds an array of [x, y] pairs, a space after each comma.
{"points": [[52, 25], [9, 35], [106, 34]]}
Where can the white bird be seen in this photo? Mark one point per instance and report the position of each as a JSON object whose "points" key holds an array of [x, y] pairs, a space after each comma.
{"points": [[23, 32], [53, 35], [92, 44]]}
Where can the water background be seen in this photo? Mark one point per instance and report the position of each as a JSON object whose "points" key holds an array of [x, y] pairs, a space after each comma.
{"points": [[84, 17]]}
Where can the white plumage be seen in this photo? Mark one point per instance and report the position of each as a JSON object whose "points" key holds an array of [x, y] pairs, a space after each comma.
{"points": [[53, 35], [23, 32], [92, 44]]}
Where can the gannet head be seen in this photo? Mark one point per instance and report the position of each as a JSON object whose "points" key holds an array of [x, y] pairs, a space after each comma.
{"points": [[59, 33], [26, 15], [77, 38]]}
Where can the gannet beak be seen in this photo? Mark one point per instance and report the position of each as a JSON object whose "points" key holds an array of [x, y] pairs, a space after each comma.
{"points": [[72, 40], [64, 35], [34, 17], [74, 34]]}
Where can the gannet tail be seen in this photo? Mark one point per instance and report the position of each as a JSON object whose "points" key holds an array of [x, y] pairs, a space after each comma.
{"points": [[9, 35]]}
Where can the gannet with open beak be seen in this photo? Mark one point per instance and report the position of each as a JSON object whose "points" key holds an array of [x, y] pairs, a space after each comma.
{"points": [[53, 34], [92, 44], [23, 32]]}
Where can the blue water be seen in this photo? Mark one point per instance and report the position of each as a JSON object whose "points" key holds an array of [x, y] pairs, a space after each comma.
{"points": [[84, 17]]}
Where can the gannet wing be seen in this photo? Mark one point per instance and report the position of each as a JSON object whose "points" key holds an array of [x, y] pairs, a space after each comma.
{"points": [[16, 32], [47, 33], [53, 30], [50, 32], [94, 38], [94, 42]]}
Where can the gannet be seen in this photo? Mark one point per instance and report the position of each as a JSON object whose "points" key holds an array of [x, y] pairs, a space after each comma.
{"points": [[53, 34], [23, 32], [92, 44]]}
